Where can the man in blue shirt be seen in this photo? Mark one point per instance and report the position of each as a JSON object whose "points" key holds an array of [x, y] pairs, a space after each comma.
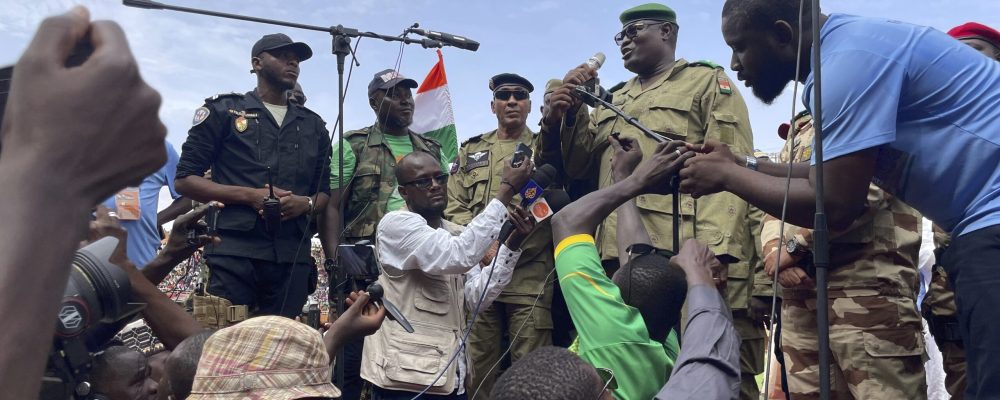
{"points": [[144, 232], [905, 107]]}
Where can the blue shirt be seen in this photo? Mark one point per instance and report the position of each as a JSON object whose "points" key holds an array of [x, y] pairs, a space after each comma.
{"points": [[143, 234], [930, 104]]}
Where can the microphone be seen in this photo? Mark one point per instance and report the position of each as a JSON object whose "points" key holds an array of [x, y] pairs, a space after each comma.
{"points": [[531, 192], [596, 61], [375, 292], [448, 39], [547, 206], [592, 87]]}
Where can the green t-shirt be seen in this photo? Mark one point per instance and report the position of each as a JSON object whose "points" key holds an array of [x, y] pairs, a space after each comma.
{"points": [[611, 334], [400, 146]]}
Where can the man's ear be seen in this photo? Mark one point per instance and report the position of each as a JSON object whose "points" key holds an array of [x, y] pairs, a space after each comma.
{"points": [[255, 64], [403, 192], [784, 34]]}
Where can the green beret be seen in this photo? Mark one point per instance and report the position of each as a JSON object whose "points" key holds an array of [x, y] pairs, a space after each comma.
{"points": [[653, 11]]}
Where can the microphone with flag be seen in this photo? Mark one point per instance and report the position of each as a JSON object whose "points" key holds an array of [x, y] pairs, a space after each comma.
{"points": [[531, 194]]}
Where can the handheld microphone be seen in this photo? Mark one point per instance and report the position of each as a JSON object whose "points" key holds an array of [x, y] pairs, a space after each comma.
{"points": [[592, 87], [531, 192], [376, 292], [448, 39], [596, 61]]}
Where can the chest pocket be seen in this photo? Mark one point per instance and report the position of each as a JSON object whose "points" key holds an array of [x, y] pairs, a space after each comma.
{"points": [[669, 115], [476, 185], [365, 187]]}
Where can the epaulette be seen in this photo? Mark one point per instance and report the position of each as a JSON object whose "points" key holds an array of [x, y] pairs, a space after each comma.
{"points": [[313, 113], [706, 63], [473, 139], [617, 86], [801, 114], [222, 95], [356, 132]]}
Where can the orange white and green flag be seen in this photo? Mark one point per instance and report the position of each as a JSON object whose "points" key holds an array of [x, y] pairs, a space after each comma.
{"points": [[432, 114]]}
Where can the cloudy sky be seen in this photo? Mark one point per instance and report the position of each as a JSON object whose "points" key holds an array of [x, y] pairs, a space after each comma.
{"points": [[190, 57]]}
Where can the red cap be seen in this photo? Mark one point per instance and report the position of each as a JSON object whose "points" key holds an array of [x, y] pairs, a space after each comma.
{"points": [[975, 30]]}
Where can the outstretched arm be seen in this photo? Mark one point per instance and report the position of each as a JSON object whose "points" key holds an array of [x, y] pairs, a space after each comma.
{"points": [[652, 176]]}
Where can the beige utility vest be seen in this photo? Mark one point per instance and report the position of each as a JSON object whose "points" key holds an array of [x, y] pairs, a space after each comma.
{"points": [[435, 306]]}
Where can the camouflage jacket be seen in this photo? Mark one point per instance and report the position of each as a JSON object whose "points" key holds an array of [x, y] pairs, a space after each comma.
{"points": [[876, 255]]}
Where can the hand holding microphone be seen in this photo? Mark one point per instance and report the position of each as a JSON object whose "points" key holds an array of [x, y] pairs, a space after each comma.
{"points": [[562, 100]]}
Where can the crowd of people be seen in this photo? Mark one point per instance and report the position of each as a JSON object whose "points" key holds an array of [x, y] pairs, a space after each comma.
{"points": [[590, 259]]}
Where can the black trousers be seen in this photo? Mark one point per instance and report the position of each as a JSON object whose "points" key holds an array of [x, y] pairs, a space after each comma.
{"points": [[266, 287], [973, 265]]}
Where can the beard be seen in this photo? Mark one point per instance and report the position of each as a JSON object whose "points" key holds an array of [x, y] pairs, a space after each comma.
{"points": [[768, 90]]}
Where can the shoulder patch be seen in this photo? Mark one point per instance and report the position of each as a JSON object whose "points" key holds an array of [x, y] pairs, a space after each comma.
{"points": [[724, 86], [223, 95], [617, 86], [200, 115], [707, 63]]}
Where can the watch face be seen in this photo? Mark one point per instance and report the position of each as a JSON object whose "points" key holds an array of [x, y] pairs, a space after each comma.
{"points": [[791, 246]]}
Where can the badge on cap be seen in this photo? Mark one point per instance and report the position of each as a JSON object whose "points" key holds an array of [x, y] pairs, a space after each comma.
{"points": [[724, 86], [477, 160], [200, 115]]}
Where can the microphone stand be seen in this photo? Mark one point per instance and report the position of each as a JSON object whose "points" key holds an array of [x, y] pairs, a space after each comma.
{"points": [[341, 48], [593, 100], [821, 250]]}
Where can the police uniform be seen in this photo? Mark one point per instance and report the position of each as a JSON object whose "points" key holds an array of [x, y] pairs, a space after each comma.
{"points": [[876, 338], [692, 101], [238, 138], [475, 180], [941, 313]]}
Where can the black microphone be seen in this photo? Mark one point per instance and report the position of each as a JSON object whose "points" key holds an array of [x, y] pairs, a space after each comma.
{"points": [[540, 179], [448, 39], [376, 293]]}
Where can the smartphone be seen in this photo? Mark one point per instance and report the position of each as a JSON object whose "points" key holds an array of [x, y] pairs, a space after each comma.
{"points": [[521, 152]]}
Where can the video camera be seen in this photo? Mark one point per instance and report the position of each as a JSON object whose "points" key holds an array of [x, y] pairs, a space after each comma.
{"points": [[95, 306]]}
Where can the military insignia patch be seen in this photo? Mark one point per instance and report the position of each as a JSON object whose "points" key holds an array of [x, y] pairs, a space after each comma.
{"points": [[477, 160], [724, 86], [200, 115], [241, 124]]}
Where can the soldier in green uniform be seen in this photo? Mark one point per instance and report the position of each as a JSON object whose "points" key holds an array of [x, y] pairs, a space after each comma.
{"points": [[682, 100], [527, 324], [876, 337], [370, 187]]}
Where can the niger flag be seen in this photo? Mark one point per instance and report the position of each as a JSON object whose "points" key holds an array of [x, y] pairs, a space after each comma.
{"points": [[432, 114]]}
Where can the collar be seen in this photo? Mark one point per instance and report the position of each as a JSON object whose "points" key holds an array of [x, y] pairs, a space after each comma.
{"points": [[492, 137], [633, 88]]}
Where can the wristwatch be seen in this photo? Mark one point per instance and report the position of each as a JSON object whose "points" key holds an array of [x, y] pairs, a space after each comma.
{"points": [[312, 207], [330, 264], [795, 248], [752, 163]]}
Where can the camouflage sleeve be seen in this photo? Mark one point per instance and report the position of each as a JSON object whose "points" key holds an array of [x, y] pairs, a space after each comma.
{"points": [[761, 282], [458, 210]]}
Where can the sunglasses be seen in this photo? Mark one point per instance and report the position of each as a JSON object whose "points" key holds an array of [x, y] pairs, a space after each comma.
{"points": [[425, 183], [631, 31], [505, 94], [608, 376]]}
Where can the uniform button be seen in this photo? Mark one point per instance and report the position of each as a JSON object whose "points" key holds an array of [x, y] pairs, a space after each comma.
{"points": [[392, 164]]}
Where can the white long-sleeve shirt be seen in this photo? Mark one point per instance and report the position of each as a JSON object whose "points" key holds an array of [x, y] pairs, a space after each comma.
{"points": [[406, 242]]}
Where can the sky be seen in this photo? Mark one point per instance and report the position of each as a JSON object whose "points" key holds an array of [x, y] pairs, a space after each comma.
{"points": [[189, 57]]}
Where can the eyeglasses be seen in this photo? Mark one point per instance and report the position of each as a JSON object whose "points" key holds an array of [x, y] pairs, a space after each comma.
{"points": [[608, 376], [505, 94], [631, 31], [425, 183]]}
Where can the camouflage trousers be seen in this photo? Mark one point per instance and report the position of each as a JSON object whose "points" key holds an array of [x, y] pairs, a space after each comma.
{"points": [[876, 348]]}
